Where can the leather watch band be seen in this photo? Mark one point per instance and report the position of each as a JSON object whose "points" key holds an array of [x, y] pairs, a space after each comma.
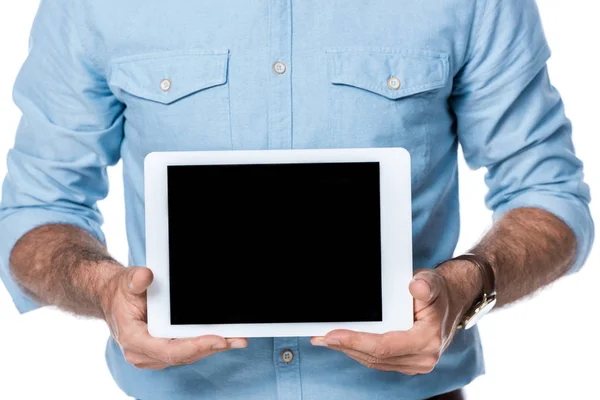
{"points": [[489, 276]]}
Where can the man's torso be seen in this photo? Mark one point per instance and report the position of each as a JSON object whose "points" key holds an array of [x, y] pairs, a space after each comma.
{"points": [[223, 93]]}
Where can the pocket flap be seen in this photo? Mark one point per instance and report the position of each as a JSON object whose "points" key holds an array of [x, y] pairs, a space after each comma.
{"points": [[415, 71], [169, 76]]}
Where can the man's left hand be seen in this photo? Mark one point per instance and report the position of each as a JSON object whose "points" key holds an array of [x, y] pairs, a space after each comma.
{"points": [[418, 350]]}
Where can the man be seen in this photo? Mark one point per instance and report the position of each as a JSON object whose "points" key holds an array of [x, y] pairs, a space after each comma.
{"points": [[116, 80]]}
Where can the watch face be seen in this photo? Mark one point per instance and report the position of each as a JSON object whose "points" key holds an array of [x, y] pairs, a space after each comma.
{"points": [[485, 308]]}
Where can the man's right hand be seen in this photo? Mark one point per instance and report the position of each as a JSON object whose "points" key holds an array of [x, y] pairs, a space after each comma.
{"points": [[124, 307]]}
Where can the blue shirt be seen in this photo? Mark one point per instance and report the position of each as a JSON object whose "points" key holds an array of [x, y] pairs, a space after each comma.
{"points": [[114, 80]]}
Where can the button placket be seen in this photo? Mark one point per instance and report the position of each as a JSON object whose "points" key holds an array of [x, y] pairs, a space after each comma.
{"points": [[287, 365], [286, 358], [280, 81]]}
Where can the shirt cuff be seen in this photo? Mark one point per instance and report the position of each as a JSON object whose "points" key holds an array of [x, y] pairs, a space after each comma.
{"points": [[570, 210], [13, 226]]}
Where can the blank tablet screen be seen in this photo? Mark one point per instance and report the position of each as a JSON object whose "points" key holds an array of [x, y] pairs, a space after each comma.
{"points": [[274, 243]]}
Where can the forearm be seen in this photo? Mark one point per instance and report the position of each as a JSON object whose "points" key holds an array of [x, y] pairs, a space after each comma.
{"points": [[528, 248], [63, 266]]}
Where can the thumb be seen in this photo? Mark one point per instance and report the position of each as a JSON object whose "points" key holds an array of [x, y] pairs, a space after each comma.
{"points": [[137, 280], [425, 287]]}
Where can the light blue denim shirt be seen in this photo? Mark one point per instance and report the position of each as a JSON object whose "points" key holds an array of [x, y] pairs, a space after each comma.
{"points": [[423, 75]]}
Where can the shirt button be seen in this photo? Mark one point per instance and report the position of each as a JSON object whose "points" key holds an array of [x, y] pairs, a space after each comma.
{"points": [[287, 356], [165, 85], [394, 83], [279, 67]]}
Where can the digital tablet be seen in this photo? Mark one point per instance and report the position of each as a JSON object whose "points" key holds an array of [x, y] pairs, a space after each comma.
{"points": [[267, 243]]}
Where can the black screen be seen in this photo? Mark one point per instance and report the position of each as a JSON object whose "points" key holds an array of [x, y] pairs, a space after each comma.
{"points": [[274, 243]]}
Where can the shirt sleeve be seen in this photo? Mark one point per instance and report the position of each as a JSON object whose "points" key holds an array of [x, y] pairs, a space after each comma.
{"points": [[70, 131], [511, 120]]}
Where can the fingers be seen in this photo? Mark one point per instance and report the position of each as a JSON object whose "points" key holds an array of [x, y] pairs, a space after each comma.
{"points": [[386, 345], [409, 364], [137, 280], [142, 361], [128, 320], [152, 365], [405, 369], [412, 360], [237, 343], [425, 288], [409, 352], [181, 351], [145, 351]]}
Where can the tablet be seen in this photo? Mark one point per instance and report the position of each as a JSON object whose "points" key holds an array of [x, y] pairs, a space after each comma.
{"points": [[266, 243]]}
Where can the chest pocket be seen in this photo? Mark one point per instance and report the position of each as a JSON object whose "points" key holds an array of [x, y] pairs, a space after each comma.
{"points": [[387, 98], [175, 100]]}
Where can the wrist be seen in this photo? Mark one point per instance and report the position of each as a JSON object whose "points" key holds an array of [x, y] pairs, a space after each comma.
{"points": [[465, 284], [106, 284]]}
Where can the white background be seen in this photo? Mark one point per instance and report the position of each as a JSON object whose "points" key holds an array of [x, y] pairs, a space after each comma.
{"points": [[542, 348]]}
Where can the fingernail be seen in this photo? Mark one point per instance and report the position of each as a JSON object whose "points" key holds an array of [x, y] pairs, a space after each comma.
{"points": [[331, 341], [237, 344], [325, 342], [428, 285], [219, 346], [130, 276]]}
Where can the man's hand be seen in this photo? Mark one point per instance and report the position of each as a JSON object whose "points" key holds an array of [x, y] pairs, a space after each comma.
{"points": [[439, 302], [124, 307]]}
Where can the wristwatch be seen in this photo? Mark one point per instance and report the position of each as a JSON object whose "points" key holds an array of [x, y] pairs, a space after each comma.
{"points": [[488, 299]]}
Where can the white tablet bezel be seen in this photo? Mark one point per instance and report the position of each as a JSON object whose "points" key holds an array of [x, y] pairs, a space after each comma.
{"points": [[396, 239]]}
